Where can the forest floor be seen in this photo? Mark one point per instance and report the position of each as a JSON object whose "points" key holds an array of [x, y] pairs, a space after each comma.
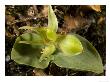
{"points": [[87, 21]]}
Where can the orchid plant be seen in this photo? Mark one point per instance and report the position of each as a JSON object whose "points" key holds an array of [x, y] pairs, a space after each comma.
{"points": [[43, 46]]}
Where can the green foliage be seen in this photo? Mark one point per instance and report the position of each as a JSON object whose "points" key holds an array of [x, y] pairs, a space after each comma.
{"points": [[52, 20], [47, 52], [88, 60], [29, 54], [44, 45], [51, 35], [70, 45]]}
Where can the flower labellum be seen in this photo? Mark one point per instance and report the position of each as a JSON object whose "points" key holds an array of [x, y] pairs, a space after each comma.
{"points": [[71, 45]]}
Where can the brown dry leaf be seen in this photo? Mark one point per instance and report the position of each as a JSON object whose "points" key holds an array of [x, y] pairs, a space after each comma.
{"points": [[101, 19], [45, 11], [69, 22], [9, 19], [95, 8], [39, 72], [75, 22], [31, 12], [8, 34], [35, 9]]}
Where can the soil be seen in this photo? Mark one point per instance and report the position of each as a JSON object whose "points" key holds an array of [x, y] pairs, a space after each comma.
{"points": [[91, 25]]}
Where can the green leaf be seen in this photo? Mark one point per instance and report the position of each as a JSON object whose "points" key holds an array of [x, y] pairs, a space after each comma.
{"points": [[70, 45], [88, 60], [51, 35], [35, 29], [52, 20], [40, 31], [29, 54]]}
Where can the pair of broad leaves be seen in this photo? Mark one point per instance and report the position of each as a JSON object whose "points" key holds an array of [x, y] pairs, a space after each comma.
{"points": [[42, 46]]}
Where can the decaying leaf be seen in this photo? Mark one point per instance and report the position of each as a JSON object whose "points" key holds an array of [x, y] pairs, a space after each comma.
{"points": [[95, 8], [9, 19], [45, 11], [39, 72], [31, 12], [101, 20], [76, 22], [35, 9]]}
